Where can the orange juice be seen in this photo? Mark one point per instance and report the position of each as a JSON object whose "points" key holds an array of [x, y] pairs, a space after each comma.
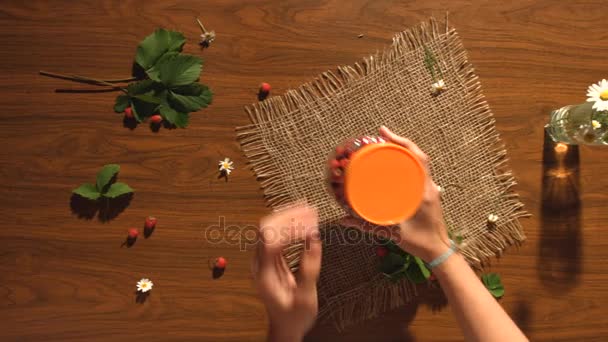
{"points": [[376, 180]]}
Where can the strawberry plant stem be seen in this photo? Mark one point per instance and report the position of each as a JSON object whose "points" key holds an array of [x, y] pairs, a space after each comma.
{"points": [[89, 80]]}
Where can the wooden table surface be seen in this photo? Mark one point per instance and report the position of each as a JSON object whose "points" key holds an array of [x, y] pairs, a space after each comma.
{"points": [[67, 278]]}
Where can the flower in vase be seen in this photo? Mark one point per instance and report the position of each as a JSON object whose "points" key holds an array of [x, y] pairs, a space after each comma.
{"points": [[587, 134], [598, 94], [596, 124]]}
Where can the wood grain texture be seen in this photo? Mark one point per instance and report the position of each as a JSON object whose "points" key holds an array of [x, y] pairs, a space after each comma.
{"points": [[63, 278]]}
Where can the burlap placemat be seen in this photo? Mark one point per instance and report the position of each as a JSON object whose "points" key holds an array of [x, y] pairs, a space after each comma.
{"points": [[291, 136]]}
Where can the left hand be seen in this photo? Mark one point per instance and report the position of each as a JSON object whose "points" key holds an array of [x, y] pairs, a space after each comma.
{"points": [[291, 301]]}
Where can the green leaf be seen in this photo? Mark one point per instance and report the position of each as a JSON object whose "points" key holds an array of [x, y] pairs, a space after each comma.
{"points": [[140, 87], [180, 70], [493, 284], [190, 98], [179, 119], [105, 175], [149, 98], [87, 190], [143, 109], [392, 263], [425, 271], [414, 274], [157, 44], [118, 189], [122, 102], [154, 71]]}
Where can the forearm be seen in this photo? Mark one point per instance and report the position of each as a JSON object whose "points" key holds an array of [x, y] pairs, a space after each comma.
{"points": [[478, 313]]}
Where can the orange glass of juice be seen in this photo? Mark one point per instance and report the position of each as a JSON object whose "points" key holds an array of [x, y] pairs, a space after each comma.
{"points": [[377, 181]]}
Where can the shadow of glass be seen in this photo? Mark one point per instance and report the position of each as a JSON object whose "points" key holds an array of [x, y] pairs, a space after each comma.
{"points": [[560, 252]]}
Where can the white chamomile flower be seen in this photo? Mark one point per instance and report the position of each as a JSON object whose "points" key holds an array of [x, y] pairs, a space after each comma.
{"points": [[438, 86], [596, 124], [598, 93], [492, 218], [144, 285], [226, 166]]}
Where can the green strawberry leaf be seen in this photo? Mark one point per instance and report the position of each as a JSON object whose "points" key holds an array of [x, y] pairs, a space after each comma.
{"points": [[157, 44], [414, 274], [105, 175], [190, 98], [179, 119], [180, 70], [118, 189], [493, 284], [88, 191], [154, 71], [140, 87], [425, 271], [149, 98], [143, 109], [392, 263], [122, 102]]}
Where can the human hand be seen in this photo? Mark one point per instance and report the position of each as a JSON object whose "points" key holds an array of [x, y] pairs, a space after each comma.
{"points": [[424, 235], [291, 301]]}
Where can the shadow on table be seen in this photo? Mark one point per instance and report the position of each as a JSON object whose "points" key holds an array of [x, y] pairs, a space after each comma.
{"points": [[390, 326], [106, 209], [559, 263]]}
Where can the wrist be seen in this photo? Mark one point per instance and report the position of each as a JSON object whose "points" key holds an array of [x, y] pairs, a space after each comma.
{"points": [[276, 334], [436, 250]]}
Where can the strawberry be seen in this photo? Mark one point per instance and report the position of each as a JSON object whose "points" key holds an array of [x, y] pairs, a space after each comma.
{"points": [[220, 263], [334, 164], [129, 112], [336, 173], [150, 222], [156, 119], [381, 251], [133, 233], [340, 151], [264, 88]]}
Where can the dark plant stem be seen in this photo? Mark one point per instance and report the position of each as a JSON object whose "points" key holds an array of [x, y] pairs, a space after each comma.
{"points": [[89, 80]]}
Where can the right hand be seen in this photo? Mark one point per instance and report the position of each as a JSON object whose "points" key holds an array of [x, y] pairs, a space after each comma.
{"points": [[424, 235]]}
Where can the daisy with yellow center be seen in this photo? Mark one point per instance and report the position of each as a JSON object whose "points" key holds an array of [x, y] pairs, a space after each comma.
{"points": [[226, 166], [144, 285], [598, 94]]}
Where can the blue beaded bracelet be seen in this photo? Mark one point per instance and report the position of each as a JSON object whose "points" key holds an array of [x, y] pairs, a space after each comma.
{"points": [[443, 257]]}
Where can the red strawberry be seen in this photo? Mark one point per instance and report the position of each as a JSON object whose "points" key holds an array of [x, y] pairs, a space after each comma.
{"points": [[381, 251], [264, 88], [150, 222], [133, 233], [156, 119], [340, 151], [129, 112], [336, 173], [220, 263], [334, 164]]}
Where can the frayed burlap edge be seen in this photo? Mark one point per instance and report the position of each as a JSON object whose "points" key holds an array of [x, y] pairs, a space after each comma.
{"points": [[380, 295]]}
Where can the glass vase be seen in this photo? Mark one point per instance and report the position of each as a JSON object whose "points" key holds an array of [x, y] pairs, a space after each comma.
{"points": [[578, 124]]}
